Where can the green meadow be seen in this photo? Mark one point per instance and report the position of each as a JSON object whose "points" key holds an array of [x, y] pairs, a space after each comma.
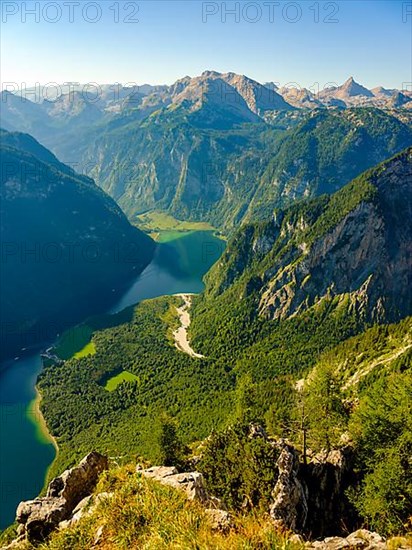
{"points": [[89, 349], [163, 227], [124, 376]]}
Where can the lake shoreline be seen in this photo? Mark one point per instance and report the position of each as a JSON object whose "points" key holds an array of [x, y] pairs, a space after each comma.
{"points": [[41, 424], [177, 268]]}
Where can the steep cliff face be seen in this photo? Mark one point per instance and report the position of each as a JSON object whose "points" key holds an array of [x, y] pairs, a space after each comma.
{"points": [[354, 246]]}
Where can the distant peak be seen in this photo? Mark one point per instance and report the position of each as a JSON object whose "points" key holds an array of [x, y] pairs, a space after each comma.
{"points": [[353, 88], [211, 74], [349, 82]]}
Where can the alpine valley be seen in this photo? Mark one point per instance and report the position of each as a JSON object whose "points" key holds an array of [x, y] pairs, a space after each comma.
{"points": [[234, 361]]}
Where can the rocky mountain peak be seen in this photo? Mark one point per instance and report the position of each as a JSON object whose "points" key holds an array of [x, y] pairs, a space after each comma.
{"points": [[258, 97], [351, 88], [229, 88], [380, 91], [349, 93], [211, 74], [398, 99]]}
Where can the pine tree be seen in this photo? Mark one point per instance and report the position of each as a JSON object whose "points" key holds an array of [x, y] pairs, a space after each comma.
{"points": [[170, 446], [323, 409]]}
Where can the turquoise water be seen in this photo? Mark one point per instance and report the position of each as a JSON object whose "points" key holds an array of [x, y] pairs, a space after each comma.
{"points": [[24, 454], [178, 266]]}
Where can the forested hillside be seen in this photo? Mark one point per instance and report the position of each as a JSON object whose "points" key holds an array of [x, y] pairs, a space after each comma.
{"points": [[311, 374], [66, 245], [174, 162], [352, 246], [343, 389]]}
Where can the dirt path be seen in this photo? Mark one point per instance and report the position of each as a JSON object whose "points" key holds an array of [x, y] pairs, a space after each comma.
{"points": [[180, 335]]}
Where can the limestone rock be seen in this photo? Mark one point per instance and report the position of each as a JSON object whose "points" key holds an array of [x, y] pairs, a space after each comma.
{"points": [[359, 540], [366, 538], [220, 520], [330, 543], [82, 505], [74, 484], [41, 516], [99, 534], [101, 497], [289, 508], [65, 500], [192, 483], [77, 513], [158, 472], [85, 507]]}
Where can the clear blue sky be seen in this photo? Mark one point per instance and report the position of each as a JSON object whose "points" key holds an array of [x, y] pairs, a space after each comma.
{"points": [[371, 40]]}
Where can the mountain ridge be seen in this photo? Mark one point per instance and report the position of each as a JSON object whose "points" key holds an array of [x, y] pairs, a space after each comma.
{"points": [[65, 243], [367, 213]]}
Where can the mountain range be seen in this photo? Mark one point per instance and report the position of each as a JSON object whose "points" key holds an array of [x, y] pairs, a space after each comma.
{"points": [[220, 148], [112, 97], [244, 98]]}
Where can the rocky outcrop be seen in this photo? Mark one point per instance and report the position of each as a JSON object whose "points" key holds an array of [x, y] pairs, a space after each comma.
{"points": [[220, 520], [307, 499], [290, 507], [39, 517], [194, 486], [85, 507], [310, 498], [192, 483], [359, 540], [74, 484]]}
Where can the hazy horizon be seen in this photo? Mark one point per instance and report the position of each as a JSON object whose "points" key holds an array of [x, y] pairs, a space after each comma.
{"points": [[291, 84]]}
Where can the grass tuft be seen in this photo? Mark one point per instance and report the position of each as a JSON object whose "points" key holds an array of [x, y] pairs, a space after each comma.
{"points": [[143, 514]]}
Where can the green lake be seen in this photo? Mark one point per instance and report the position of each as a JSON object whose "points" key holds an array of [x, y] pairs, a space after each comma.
{"points": [[180, 262]]}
